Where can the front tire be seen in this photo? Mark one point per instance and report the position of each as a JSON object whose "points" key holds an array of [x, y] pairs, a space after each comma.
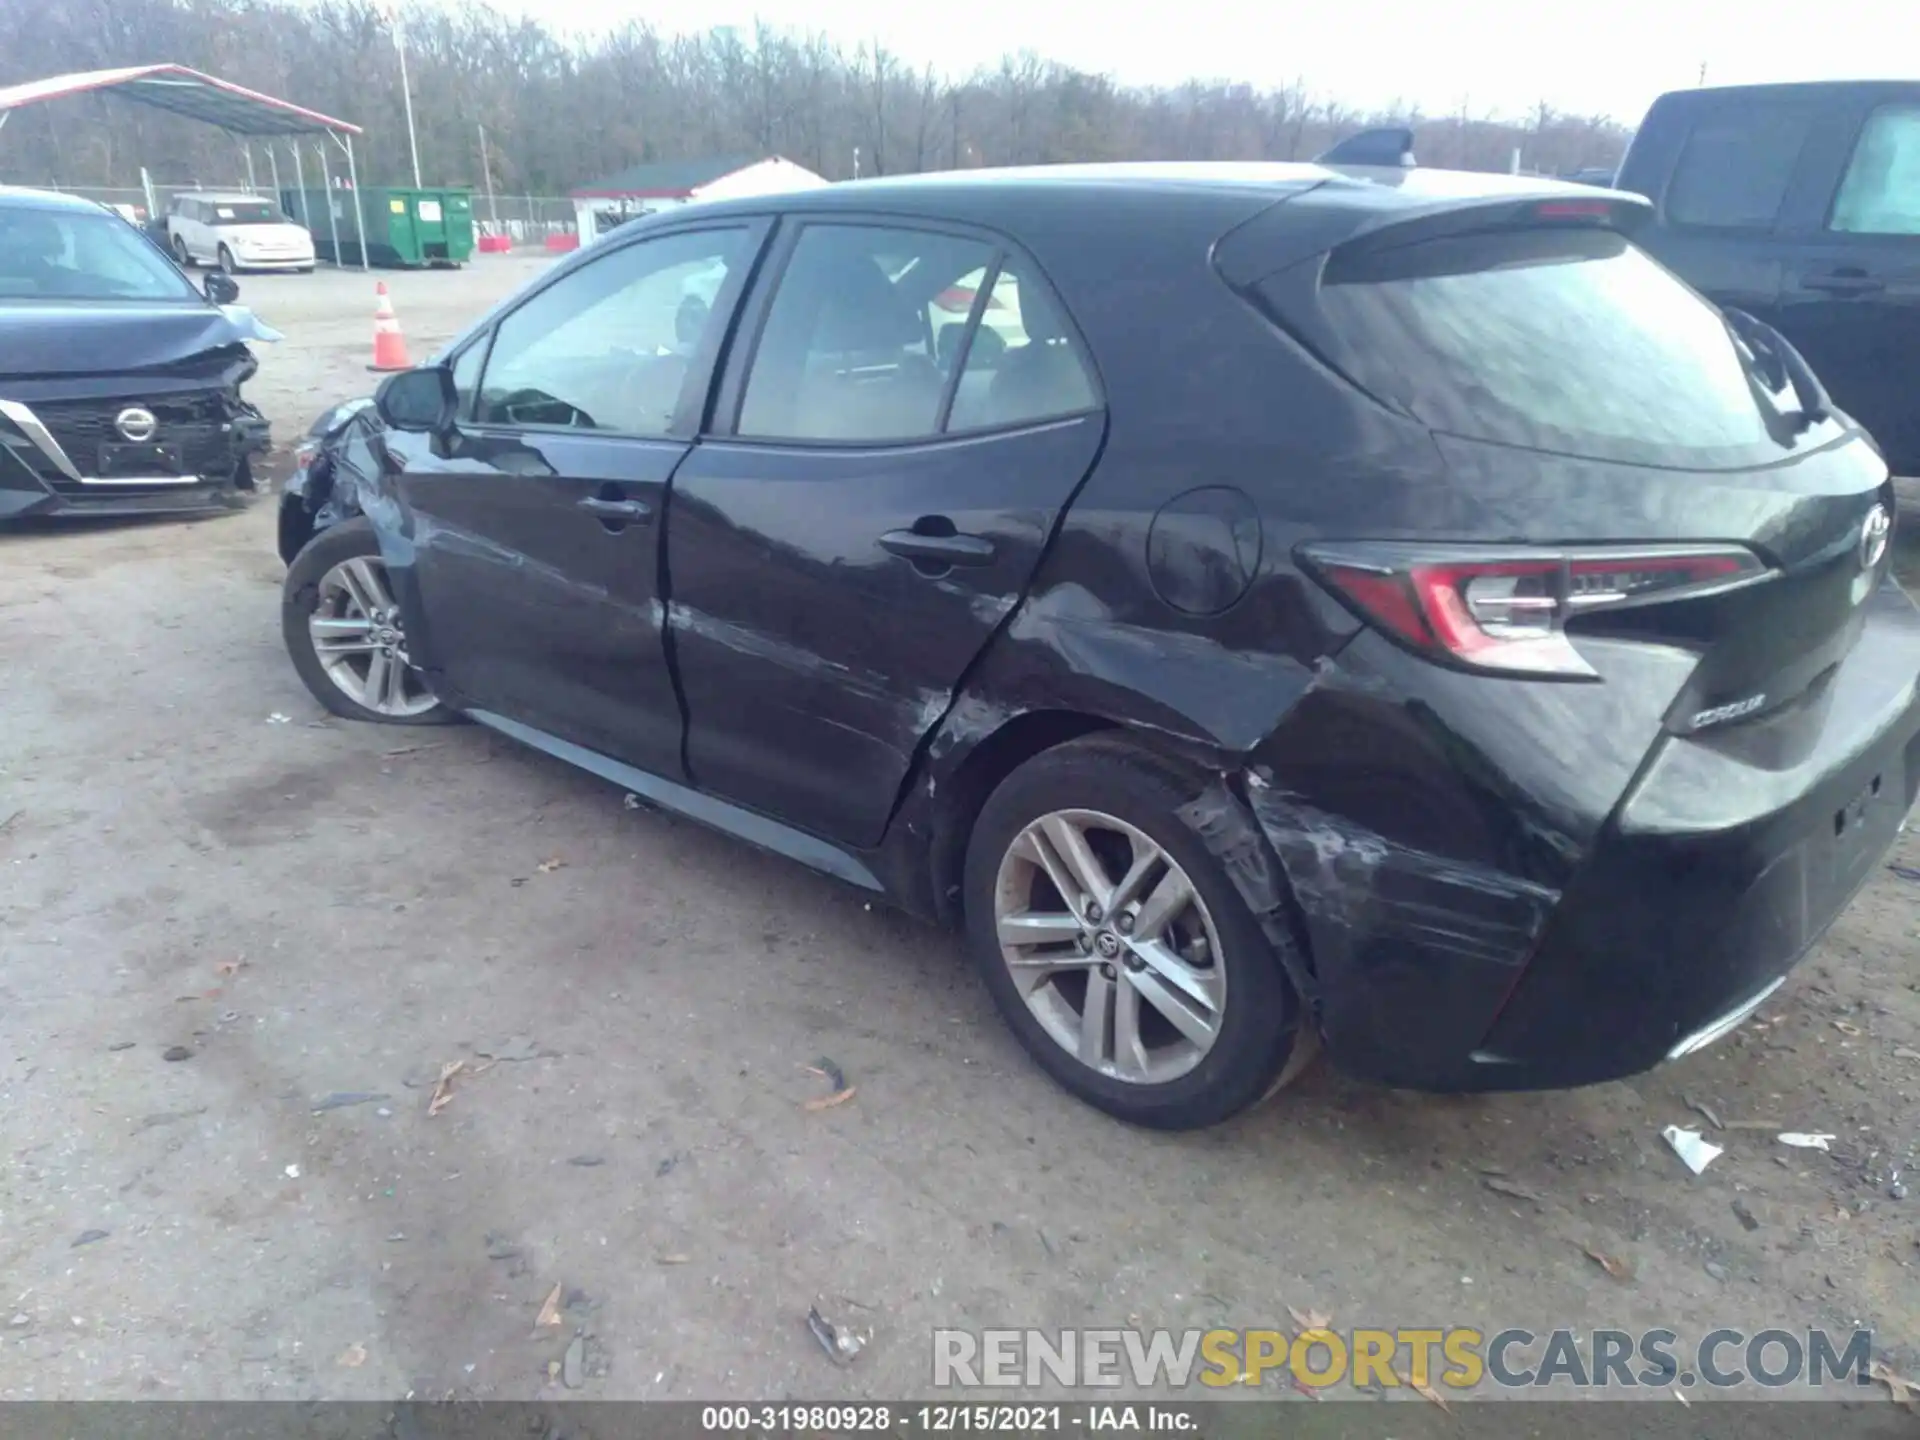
{"points": [[344, 634], [225, 258], [1116, 946], [181, 253]]}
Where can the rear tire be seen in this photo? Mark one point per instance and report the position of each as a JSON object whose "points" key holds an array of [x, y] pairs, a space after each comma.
{"points": [[1195, 1017], [339, 581]]}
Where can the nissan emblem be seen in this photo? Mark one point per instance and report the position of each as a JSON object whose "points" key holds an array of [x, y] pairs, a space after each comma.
{"points": [[136, 424]]}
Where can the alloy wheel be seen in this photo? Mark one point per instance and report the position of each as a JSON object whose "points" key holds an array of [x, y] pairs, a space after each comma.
{"points": [[357, 635], [1111, 946]]}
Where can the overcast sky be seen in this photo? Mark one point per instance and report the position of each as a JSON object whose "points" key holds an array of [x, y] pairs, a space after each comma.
{"points": [[1601, 56]]}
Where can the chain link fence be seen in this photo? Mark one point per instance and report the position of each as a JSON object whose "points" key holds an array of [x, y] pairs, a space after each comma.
{"points": [[525, 219]]}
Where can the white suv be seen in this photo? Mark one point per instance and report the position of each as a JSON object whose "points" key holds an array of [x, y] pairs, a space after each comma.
{"points": [[236, 232]]}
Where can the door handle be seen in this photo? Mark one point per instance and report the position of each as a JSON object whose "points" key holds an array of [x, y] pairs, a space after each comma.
{"points": [[1843, 282], [630, 511], [938, 550]]}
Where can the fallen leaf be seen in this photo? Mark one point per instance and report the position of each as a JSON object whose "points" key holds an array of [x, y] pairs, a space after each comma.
{"points": [[354, 1356], [229, 967], [1899, 1389], [1509, 1187], [549, 1312], [671, 1259], [1612, 1264], [1304, 1388], [1846, 1027], [827, 1102], [547, 867], [407, 750], [443, 1087], [1426, 1392], [1311, 1320]]}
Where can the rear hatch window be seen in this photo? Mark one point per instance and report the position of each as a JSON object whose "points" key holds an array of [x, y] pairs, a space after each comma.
{"points": [[1569, 340]]}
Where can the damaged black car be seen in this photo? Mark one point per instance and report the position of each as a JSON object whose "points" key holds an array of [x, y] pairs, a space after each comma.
{"points": [[1265, 607], [119, 382]]}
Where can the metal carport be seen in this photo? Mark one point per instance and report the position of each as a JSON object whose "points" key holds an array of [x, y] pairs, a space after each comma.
{"points": [[244, 114]]}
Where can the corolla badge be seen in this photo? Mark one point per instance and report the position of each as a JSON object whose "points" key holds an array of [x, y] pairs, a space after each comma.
{"points": [[1873, 536], [136, 424]]}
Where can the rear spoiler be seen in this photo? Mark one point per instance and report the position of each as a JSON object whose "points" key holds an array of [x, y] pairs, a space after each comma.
{"points": [[1400, 207], [1389, 145]]}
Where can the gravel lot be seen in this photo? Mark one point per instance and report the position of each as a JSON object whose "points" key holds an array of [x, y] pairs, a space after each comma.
{"points": [[192, 855]]}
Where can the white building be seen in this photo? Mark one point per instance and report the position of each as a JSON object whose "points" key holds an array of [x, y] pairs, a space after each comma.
{"points": [[644, 189]]}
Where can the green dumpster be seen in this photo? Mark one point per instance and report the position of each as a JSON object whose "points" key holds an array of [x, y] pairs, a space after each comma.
{"points": [[406, 228]]}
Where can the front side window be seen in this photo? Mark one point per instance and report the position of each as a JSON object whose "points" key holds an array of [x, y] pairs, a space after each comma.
{"points": [[611, 345], [82, 255], [1881, 192], [1734, 171], [466, 376], [849, 350]]}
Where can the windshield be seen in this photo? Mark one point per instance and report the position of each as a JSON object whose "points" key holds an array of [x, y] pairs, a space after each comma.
{"points": [[82, 255], [1569, 341], [247, 212]]}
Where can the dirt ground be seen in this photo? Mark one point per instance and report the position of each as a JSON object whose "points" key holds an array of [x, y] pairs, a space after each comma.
{"points": [[322, 916]]}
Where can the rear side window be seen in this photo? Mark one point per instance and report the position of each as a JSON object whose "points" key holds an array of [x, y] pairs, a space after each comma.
{"points": [[870, 339], [1734, 170], [1881, 192], [852, 347], [1572, 341], [1022, 365]]}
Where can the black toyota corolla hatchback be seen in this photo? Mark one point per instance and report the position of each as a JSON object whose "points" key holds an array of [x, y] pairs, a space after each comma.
{"points": [[1263, 606]]}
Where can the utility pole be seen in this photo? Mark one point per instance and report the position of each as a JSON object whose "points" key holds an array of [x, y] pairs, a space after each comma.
{"points": [[486, 169], [406, 89], [1703, 72], [856, 162]]}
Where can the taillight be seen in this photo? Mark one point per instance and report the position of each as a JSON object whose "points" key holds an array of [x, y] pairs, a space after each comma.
{"points": [[1598, 210], [1506, 611]]}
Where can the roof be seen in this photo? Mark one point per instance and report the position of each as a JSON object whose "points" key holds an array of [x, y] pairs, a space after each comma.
{"points": [[665, 180], [1784, 89], [1157, 213], [175, 88], [16, 197], [1370, 188]]}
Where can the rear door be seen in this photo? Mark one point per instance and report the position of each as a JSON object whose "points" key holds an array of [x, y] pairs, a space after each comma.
{"points": [[871, 506], [1851, 294], [536, 529]]}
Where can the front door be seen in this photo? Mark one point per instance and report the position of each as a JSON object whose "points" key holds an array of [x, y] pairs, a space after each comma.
{"points": [[536, 527], [880, 506], [1851, 298]]}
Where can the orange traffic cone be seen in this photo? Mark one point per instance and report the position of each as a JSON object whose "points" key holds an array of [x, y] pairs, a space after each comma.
{"points": [[389, 345]]}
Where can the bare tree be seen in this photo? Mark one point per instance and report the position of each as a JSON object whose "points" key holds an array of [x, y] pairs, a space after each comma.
{"points": [[560, 111]]}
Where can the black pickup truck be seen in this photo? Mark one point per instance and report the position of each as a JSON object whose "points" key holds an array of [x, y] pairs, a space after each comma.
{"points": [[1801, 204]]}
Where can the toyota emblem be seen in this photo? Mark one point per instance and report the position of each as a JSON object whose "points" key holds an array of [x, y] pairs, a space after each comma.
{"points": [[136, 424], [1873, 536]]}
